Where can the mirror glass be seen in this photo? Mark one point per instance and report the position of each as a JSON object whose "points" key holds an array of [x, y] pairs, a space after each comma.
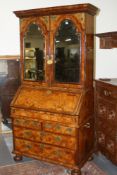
{"points": [[34, 53], [67, 53]]}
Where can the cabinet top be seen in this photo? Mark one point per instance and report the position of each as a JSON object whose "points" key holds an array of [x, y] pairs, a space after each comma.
{"points": [[87, 8], [110, 81]]}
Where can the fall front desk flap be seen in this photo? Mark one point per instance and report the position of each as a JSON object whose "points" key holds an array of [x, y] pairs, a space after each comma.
{"points": [[48, 100]]}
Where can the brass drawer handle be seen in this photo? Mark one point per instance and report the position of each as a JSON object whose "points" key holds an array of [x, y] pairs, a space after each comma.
{"points": [[107, 93], [112, 115], [48, 92], [87, 125]]}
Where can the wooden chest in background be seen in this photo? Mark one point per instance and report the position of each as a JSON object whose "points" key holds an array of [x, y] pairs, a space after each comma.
{"points": [[106, 118]]}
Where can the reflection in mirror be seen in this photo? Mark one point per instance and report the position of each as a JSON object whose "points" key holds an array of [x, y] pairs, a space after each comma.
{"points": [[67, 53], [34, 53]]}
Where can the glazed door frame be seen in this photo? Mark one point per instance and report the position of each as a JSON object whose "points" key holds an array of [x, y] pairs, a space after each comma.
{"points": [[56, 20], [43, 25], [49, 26]]}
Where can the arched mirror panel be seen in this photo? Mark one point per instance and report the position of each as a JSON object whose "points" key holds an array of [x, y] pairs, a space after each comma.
{"points": [[34, 54], [67, 53]]}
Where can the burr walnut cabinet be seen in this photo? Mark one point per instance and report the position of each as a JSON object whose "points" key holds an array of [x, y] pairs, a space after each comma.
{"points": [[52, 111], [106, 118]]}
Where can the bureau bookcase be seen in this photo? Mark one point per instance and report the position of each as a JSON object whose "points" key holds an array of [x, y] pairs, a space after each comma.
{"points": [[52, 111]]}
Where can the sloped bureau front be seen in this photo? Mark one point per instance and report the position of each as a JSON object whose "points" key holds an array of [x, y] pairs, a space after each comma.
{"points": [[48, 100]]}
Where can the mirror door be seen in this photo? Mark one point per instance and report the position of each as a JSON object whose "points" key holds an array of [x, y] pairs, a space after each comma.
{"points": [[34, 49], [67, 53]]}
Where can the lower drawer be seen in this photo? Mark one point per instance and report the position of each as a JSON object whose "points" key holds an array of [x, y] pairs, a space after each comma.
{"points": [[45, 151], [45, 137], [59, 140]]}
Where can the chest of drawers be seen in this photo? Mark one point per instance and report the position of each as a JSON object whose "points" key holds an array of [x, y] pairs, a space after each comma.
{"points": [[63, 135], [106, 118]]}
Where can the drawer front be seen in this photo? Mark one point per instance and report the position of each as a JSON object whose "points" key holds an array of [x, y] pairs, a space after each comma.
{"points": [[59, 128], [58, 154], [45, 151], [45, 137], [27, 147], [31, 114], [107, 92], [59, 140], [27, 134], [27, 123], [107, 111]]}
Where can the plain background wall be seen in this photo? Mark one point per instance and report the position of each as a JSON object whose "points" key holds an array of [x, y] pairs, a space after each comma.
{"points": [[105, 61]]}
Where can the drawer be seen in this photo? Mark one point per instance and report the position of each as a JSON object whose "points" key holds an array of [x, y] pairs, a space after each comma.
{"points": [[27, 134], [45, 151], [107, 110], [27, 147], [59, 128], [59, 140], [27, 123], [107, 91], [45, 137], [70, 120], [57, 154]]}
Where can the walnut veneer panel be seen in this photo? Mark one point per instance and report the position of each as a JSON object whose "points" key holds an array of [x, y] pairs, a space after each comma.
{"points": [[50, 100]]}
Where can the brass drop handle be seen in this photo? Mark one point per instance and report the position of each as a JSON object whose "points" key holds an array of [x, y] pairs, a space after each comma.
{"points": [[87, 125], [48, 92], [107, 93]]}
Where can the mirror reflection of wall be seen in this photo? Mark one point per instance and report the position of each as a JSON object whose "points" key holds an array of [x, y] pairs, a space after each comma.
{"points": [[34, 53], [67, 53]]}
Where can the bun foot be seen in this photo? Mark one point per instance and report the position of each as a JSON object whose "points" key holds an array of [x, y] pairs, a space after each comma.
{"points": [[17, 158], [90, 158]]}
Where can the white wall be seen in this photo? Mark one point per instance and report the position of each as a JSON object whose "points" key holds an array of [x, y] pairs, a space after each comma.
{"points": [[105, 60]]}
